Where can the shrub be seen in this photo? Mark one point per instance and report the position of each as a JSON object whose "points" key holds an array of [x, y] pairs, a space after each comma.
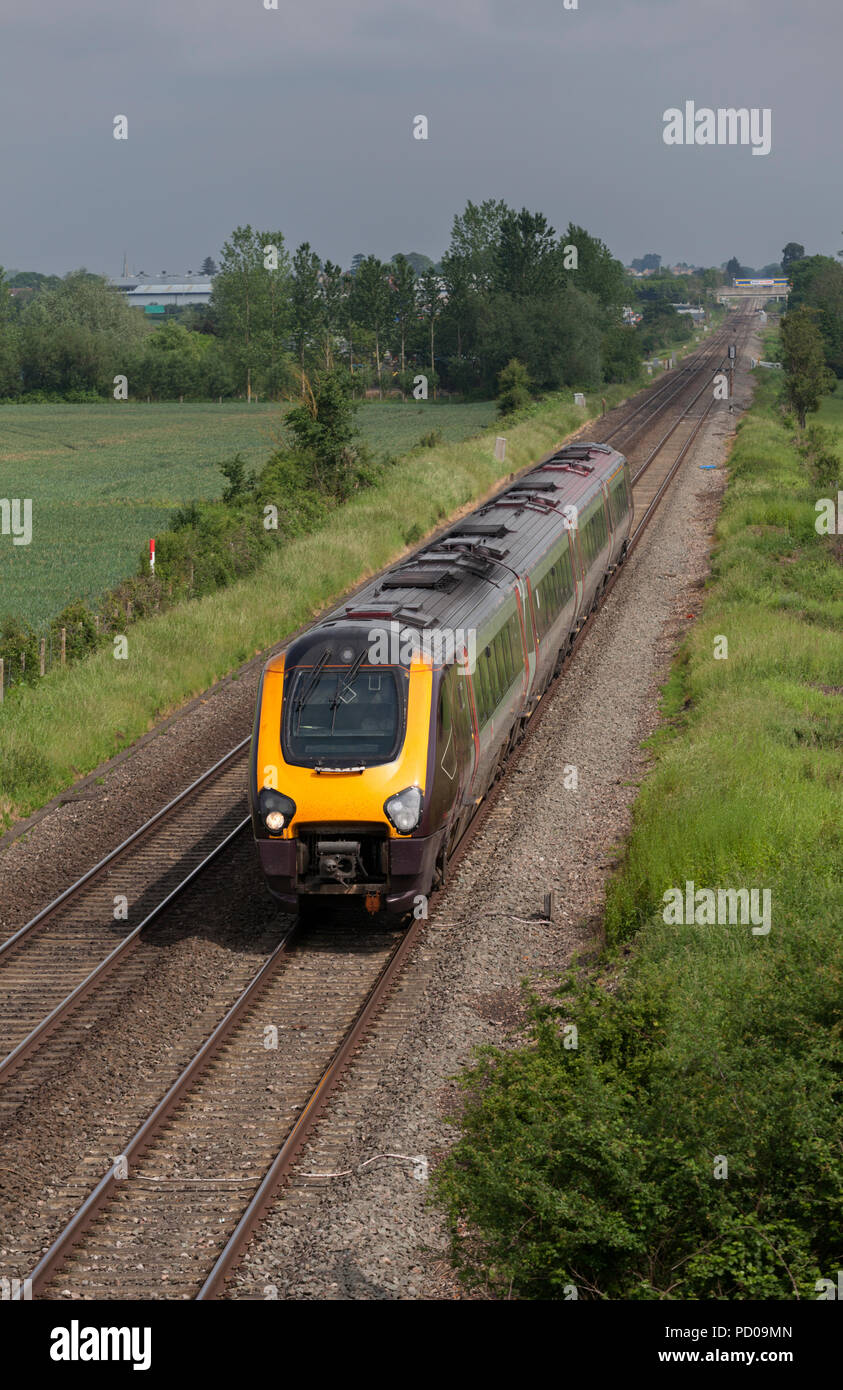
{"points": [[513, 387], [19, 650], [81, 636]]}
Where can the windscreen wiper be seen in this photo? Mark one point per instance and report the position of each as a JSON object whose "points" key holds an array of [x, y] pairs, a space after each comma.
{"points": [[348, 680], [314, 676], [344, 685]]}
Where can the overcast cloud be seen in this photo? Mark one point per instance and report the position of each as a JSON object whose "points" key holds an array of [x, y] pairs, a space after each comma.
{"points": [[300, 119]]}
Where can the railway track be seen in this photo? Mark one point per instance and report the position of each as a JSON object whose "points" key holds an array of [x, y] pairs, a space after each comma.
{"points": [[83, 942], [170, 1217]]}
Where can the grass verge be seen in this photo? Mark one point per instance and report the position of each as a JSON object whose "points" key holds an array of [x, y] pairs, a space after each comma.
{"points": [[684, 1142]]}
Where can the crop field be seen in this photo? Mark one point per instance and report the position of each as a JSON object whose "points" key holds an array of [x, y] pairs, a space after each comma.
{"points": [[104, 478]]}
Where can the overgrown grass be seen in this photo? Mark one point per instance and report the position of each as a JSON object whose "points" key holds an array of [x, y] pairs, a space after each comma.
{"points": [[601, 1166], [74, 718]]}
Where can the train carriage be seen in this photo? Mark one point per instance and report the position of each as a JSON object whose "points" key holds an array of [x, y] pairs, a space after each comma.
{"points": [[380, 729]]}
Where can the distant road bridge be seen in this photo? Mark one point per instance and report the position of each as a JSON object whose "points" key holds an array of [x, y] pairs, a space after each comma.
{"points": [[742, 289]]}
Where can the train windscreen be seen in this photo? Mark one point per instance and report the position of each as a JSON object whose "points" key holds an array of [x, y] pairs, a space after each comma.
{"points": [[334, 716]]}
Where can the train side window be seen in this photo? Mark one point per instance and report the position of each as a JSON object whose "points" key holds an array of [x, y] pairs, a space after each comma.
{"points": [[496, 673], [514, 644], [491, 681], [568, 574], [481, 672], [506, 655], [590, 540], [620, 502], [500, 656], [543, 613]]}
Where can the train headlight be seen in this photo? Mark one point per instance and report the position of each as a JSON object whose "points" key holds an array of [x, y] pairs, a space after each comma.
{"points": [[276, 810], [404, 810]]}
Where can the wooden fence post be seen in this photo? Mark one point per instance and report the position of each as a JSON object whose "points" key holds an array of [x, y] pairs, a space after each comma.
{"points": [[63, 645], [1, 680], [43, 662]]}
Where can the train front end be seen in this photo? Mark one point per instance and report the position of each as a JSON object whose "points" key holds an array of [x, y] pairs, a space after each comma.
{"points": [[339, 766]]}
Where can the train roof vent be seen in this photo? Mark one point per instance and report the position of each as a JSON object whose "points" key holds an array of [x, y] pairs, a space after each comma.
{"points": [[474, 559], [416, 578], [531, 484], [590, 446], [571, 466], [465, 546], [410, 613], [482, 528]]}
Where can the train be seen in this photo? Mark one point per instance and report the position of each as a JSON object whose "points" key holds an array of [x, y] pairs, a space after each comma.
{"points": [[380, 729]]}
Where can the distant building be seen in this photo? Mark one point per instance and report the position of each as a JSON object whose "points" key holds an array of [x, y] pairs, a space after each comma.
{"points": [[148, 294], [696, 313]]}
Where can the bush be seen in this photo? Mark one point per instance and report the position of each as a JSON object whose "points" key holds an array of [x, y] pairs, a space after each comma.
{"points": [[81, 636], [513, 387], [19, 650]]}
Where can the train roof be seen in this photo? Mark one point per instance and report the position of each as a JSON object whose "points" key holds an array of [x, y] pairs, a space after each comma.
{"points": [[463, 576]]}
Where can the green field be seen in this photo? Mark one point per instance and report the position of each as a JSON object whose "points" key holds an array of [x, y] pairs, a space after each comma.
{"points": [[104, 478]]}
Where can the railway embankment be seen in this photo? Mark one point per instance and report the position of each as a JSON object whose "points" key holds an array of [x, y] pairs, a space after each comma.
{"points": [[671, 1127]]}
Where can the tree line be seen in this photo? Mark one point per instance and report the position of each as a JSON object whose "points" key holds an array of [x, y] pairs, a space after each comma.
{"points": [[506, 287]]}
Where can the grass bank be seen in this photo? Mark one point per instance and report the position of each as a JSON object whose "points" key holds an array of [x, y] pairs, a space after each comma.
{"points": [[686, 1143], [57, 731]]}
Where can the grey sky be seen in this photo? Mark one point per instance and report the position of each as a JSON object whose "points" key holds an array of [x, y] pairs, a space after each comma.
{"points": [[300, 119]]}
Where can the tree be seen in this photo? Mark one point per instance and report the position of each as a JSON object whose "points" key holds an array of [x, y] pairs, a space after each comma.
{"points": [[9, 361], [251, 302], [817, 283], [557, 338], [417, 260], [403, 297], [733, 268], [461, 306], [807, 376], [76, 337], [306, 300], [333, 288], [528, 260], [597, 269], [620, 353], [649, 262], [208, 267], [324, 429], [513, 387], [430, 305], [475, 235], [792, 252], [370, 302]]}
